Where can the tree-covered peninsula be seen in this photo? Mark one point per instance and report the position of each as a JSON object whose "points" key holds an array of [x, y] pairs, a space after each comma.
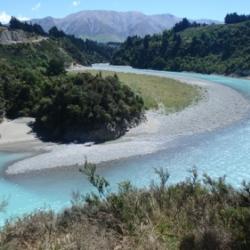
{"points": [[85, 107]]}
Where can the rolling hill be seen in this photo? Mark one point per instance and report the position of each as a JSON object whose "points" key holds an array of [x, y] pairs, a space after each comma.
{"points": [[221, 49]]}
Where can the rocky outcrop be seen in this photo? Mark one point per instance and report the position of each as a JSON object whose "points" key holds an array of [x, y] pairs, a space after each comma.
{"points": [[13, 37]]}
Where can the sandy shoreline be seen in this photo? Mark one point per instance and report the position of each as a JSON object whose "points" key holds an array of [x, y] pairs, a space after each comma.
{"points": [[17, 136], [221, 106]]}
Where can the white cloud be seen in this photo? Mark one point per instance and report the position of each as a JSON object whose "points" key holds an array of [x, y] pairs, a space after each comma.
{"points": [[76, 3], [5, 17], [23, 18], [36, 7]]}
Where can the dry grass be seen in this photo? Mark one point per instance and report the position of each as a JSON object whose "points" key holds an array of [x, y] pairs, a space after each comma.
{"points": [[159, 91]]}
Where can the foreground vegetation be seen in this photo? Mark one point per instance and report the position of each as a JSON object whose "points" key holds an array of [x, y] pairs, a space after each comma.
{"points": [[157, 91], [197, 214], [222, 49]]}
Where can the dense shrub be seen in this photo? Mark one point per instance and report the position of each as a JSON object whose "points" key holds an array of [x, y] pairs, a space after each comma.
{"points": [[196, 214], [21, 90], [81, 104], [55, 67]]}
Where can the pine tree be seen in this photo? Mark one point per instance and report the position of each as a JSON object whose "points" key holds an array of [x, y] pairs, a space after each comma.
{"points": [[2, 104]]}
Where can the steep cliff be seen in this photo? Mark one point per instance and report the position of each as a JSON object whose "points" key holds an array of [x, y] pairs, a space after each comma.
{"points": [[15, 36]]}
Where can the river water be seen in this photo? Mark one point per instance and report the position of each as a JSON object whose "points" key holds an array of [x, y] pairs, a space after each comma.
{"points": [[222, 152]]}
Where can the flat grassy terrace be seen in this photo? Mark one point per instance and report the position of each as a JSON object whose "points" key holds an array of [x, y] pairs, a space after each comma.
{"points": [[159, 91]]}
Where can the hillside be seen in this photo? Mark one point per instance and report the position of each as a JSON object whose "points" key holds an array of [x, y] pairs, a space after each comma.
{"points": [[17, 45], [222, 49], [106, 26], [33, 82], [66, 108], [8, 37]]}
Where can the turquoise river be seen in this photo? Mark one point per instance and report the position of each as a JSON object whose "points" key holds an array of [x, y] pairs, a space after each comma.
{"points": [[222, 152]]}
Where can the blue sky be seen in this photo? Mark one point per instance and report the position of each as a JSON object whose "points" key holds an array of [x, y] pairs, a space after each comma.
{"points": [[195, 9]]}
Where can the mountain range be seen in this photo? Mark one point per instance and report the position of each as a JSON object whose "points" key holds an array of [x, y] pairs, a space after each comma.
{"points": [[112, 26]]}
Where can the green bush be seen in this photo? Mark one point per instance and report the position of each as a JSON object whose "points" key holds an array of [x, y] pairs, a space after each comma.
{"points": [[55, 67], [78, 105]]}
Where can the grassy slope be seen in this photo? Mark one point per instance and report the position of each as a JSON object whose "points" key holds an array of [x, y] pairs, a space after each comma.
{"points": [[104, 38], [33, 54], [155, 91], [37, 54]]}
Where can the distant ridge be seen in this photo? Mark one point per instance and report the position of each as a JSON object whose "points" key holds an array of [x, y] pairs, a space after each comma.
{"points": [[105, 26]]}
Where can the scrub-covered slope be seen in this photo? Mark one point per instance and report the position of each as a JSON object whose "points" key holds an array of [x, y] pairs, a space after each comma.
{"points": [[222, 49]]}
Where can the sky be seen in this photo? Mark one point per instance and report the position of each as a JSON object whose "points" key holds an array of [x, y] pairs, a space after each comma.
{"points": [[193, 9]]}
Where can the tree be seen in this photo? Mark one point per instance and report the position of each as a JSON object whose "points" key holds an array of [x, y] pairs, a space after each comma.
{"points": [[38, 30], [146, 42], [54, 32], [55, 67], [2, 103], [176, 44], [28, 27], [158, 63], [235, 18], [164, 43], [182, 25], [15, 23]]}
